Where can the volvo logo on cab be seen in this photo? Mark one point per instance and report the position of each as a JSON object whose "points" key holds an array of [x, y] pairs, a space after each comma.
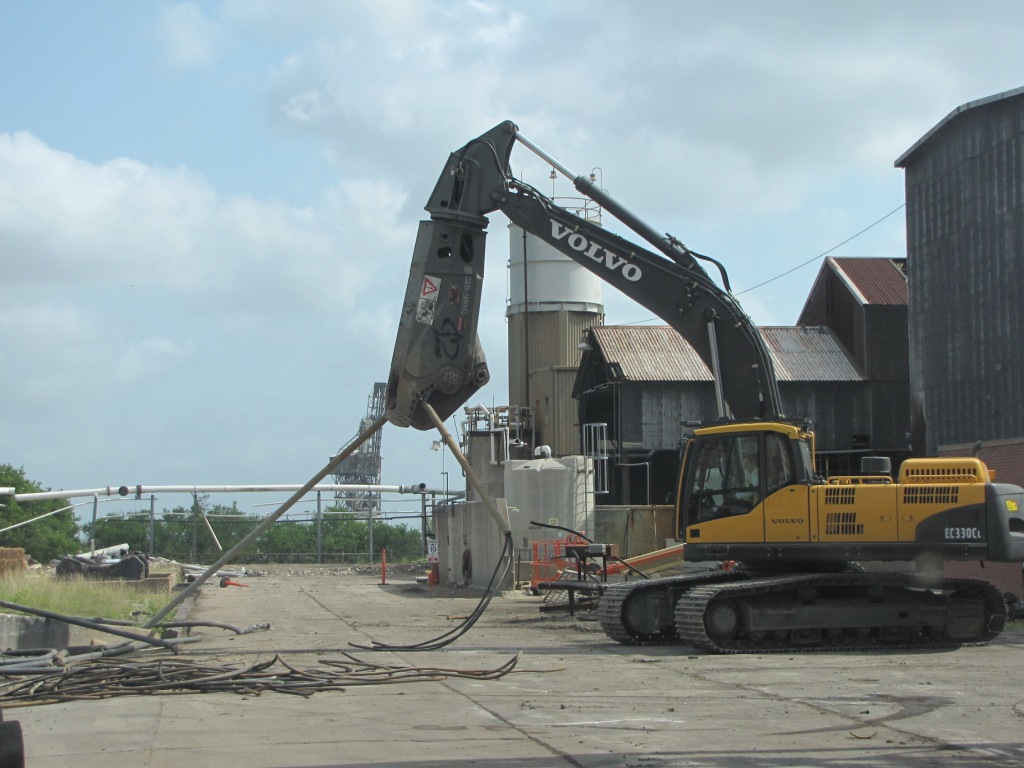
{"points": [[580, 243]]}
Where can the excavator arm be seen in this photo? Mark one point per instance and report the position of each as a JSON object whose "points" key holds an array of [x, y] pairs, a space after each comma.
{"points": [[437, 356]]}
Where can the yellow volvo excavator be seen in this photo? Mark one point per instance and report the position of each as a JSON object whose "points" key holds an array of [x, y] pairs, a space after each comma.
{"points": [[814, 553]]}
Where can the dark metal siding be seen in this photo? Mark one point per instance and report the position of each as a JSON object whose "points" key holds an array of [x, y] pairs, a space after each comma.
{"points": [[965, 242], [664, 407], [836, 411], [886, 348]]}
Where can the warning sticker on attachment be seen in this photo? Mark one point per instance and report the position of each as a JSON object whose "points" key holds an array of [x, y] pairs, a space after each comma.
{"points": [[427, 302], [430, 287]]}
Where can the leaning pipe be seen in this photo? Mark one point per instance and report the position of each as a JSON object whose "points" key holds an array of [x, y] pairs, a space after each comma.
{"points": [[145, 490], [268, 521]]}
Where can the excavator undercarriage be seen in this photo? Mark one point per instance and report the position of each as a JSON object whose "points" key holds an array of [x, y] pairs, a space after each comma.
{"points": [[741, 611]]}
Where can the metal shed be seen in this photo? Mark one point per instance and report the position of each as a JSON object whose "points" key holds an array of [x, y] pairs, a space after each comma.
{"points": [[647, 382]]}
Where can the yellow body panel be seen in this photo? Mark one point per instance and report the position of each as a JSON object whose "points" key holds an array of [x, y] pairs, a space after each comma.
{"points": [[747, 528], [786, 517], [839, 513], [854, 512]]}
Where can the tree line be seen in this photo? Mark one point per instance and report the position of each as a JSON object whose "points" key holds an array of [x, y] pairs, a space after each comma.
{"points": [[182, 533]]}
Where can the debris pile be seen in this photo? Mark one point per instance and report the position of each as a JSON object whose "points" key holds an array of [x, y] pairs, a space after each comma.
{"points": [[105, 678]]}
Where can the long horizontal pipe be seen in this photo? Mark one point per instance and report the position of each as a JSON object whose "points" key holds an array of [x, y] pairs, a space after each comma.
{"points": [[145, 490]]}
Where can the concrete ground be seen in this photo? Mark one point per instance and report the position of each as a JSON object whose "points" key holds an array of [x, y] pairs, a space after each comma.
{"points": [[575, 699]]}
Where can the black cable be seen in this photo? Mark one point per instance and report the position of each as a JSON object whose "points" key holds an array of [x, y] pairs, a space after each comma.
{"points": [[458, 631], [826, 253]]}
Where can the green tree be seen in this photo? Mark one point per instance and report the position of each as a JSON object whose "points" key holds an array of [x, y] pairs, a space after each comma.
{"points": [[403, 544], [46, 539], [179, 533], [289, 537]]}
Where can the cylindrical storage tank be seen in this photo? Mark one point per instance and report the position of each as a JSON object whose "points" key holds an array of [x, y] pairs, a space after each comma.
{"points": [[541, 279], [553, 300]]}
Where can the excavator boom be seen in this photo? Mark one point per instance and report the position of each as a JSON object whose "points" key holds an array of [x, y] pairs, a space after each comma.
{"points": [[438, 357]]}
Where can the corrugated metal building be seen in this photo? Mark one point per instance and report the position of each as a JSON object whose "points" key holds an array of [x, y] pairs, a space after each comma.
{"points": [[864, 302], [965, 247], [846, 375]]}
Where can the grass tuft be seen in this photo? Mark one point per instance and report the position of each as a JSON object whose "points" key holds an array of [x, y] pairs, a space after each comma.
{"points": [[79, 597]]}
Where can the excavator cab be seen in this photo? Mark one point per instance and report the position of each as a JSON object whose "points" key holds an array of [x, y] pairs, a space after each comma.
{"points": [[732, 475]]}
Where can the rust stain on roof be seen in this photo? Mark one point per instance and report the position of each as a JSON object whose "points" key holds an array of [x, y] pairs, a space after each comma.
{"points": [[659, 353], [877, 281]]}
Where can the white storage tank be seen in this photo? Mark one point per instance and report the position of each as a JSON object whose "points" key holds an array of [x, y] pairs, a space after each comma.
{"points": [[550, 491], [541, 279], [552, 301]]}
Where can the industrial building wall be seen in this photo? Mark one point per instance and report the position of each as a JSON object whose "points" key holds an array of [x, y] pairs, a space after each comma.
{"points": [[556, 418], [965, 243], [469, 543], [835, 306], [887, 347], [837, 411], [662, 410], [635, 530]]}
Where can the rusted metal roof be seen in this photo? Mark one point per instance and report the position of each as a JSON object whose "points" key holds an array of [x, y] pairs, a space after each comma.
{"points": [[874, 281], [809, 353], [650, 353], [659, 353]]}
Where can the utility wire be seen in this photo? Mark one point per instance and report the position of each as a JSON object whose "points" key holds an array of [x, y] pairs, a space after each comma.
{"points": [[826, 253], [799, 266]]}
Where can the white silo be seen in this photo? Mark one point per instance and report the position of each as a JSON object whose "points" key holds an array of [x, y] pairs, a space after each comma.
{"points": [[552, 301]]}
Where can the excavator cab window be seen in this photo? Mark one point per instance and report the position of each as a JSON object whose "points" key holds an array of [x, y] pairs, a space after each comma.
{"points": [[778, 463], [726, 475]]}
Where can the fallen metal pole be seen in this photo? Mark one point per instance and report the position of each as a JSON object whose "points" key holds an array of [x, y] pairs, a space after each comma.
{"points": [[256, 532], [86, 623]]}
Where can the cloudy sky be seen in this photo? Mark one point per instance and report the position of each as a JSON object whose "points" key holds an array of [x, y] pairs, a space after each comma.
{"points": [[207, 209]]}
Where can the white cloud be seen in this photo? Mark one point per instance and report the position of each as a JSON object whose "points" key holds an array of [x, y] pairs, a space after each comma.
{"points": [[191, 39], [145, 294], [121, 225]]}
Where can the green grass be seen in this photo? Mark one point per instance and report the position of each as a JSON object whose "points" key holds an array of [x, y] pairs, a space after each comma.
{"points": [[78, 597]]}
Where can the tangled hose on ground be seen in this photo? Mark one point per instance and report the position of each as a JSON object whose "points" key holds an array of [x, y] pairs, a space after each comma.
{"points": [[105, 678]]}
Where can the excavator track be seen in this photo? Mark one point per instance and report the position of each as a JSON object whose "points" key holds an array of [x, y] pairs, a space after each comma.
{"points": [[642, 612], [843, 611]]}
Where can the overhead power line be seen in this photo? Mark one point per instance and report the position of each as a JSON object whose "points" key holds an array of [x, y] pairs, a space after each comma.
{"points": [[821, 256]]}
